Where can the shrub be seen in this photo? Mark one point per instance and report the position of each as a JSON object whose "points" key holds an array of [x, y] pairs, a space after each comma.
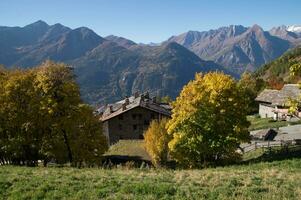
{"points": [[156, 141]]}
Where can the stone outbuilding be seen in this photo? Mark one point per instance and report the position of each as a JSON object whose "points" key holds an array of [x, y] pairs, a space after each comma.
{"points": [[265, 134], [274, 103], [130, 117]]}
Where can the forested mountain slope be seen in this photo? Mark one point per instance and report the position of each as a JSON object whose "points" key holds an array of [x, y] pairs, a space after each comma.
{"points": [[279, 68]]}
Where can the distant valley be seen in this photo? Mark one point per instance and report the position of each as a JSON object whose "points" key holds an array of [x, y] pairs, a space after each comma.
{"points": [[109, 68]]}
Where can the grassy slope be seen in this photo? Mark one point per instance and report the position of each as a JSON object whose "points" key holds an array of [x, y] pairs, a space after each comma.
{"points": [[275, 180]]}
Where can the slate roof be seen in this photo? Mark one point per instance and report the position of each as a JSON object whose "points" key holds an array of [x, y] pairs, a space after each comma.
{"points": [[279, 97], [267, 95], [112, 110]]}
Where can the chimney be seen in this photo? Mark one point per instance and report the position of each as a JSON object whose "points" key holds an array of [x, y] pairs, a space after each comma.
{"points": [[142, 97], [146, 95], [154, 99], [127, 101], [136, 95], [123, 107], [111, 109]]}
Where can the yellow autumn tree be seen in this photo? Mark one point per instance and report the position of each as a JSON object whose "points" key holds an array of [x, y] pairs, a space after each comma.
{"points": [[72, 133], [19, 132], [156, 141], [295, 104], [42, 117], [208, 121]]}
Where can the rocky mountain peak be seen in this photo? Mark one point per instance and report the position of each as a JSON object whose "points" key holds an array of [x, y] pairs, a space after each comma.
{"points": [[121, 41], [294, 28], [38, 24], [235, 30], [236, 46], [286, 33], [256, 28]]}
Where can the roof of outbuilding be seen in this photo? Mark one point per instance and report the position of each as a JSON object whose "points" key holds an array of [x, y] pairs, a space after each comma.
{"points": [[112, 110], [267, 95], [280, 97]]}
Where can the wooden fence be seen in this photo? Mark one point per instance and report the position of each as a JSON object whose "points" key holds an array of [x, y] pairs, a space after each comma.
{"points": [[268, 144]]}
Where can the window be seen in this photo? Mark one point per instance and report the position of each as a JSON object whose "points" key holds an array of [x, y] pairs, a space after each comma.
{"points": [[135, 127], [134, 116], [140, 116], [152, 116], [120, 126], [146, 122]]}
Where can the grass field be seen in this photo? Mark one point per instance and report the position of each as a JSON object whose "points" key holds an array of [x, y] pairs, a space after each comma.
{"points": [[263, 123], [270, 180], [133, 148]]}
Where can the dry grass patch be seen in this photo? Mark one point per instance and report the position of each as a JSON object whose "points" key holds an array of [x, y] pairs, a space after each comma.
{"points": [[132, 148]]}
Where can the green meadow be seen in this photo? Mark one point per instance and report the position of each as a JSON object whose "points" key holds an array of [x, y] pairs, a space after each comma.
{"points": [[262, 180]]}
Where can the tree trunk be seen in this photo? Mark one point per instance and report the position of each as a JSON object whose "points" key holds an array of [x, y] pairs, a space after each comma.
{"points": [[45, 162], [66, 141]]}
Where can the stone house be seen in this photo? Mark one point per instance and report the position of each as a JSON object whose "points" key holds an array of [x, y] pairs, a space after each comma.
{"points": [[130, 117], [274, 103]]}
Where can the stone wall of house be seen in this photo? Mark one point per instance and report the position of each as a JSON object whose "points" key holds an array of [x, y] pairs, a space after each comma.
{"points": [[266, 111], [130, 124], [105, 129]]}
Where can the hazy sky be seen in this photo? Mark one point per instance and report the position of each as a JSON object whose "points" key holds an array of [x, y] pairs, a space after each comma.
{"points": [[150, 20]]}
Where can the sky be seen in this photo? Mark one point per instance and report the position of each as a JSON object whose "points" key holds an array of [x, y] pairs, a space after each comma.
{"points": [[150, 20]]}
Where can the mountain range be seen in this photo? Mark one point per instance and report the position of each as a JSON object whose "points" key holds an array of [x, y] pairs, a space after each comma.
{"points": [[240, 48], [109, 68]]}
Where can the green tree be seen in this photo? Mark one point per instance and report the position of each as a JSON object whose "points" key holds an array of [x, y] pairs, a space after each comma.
{"points": [[3, 117], [208, 121], [88, 143], [165, 99], [156, 141], [251, 87], [56, 84], [19, 105]]}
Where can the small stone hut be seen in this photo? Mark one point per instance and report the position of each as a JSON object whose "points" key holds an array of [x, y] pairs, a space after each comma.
{"points": [[274, 103]]}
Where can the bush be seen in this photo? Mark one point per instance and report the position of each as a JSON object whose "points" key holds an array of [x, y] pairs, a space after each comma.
{"points": [[156, 142]]}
